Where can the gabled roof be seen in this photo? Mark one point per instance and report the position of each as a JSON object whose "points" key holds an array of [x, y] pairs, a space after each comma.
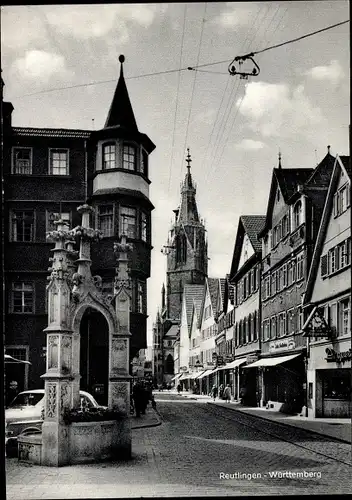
{"points": [[192, 294], [288, 180], [121, 112], [322, 172], [250, 225], [340, 164]]}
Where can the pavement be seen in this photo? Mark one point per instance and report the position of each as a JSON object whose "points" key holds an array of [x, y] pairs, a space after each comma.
{"points": [[150, 419], [339, 429]]}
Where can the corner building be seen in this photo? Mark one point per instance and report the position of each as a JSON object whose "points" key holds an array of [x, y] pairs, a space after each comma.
{"points": [[47, 174]]}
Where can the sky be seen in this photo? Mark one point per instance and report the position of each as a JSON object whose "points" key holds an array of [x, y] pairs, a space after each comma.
{"points": [[298, 104]]}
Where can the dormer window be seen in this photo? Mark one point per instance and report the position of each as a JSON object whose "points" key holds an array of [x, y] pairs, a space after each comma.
{"points": [[129, 157], [109, 156]]}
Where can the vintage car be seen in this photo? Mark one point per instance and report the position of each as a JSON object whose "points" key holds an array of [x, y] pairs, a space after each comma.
{"points": [[24, 415]]}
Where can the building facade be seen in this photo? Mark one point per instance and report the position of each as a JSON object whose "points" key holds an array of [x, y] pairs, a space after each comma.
{"points": [[327, 303], [295, 206], [245, 277], [48, 173]]}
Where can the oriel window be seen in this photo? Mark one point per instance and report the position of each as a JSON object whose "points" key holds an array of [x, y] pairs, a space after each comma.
{"points": [[106, 219], [129, 157], [144, 226], [128, 222], [109, 156]]}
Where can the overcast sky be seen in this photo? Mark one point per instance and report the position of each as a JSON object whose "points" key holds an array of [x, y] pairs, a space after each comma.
{"points": [[234, 128]]}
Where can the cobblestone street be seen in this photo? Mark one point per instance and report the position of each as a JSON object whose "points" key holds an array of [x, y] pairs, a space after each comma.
{"points": [[200, 449]]}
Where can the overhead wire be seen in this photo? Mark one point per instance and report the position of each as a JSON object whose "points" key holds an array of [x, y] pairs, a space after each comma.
{"points": [[233, 94], [188, 68], [194, 82], [242, 98], [177, 95]]}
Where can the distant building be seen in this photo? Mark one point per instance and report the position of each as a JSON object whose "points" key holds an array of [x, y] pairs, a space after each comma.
{"points": [[47, 174], [187, 263]]}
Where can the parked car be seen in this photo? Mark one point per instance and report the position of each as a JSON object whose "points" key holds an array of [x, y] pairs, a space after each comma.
{"points": [[25, 413]]}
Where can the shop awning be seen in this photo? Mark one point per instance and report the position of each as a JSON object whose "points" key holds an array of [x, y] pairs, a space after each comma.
{"points": [[10, 359], [205, 374], [177, 376], [234, 364], [272, 361]]}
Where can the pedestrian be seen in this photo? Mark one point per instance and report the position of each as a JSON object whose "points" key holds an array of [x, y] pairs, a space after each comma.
{"points": [[214, 391], [179, 388], [221, 391], [227, 393], [137, 395]]}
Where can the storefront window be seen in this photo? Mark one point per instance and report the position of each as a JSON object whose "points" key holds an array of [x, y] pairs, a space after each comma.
{"points": [[337, 386]]}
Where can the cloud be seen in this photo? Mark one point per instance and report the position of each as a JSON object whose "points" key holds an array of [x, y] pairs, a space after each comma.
{"points": [[20, 29], [250, 145], [333, 72], [235, 16], [96, 21], [276, 110], [40, 65]]}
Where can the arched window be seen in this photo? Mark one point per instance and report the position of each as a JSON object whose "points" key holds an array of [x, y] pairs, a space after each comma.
{"points": [[297, 214], [169, 368]]}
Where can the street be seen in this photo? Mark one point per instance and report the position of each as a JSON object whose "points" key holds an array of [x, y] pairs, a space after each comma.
{"points": [[200, 449]]}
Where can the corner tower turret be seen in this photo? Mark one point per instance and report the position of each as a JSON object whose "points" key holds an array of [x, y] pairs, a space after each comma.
{"points": [[120, 197]]}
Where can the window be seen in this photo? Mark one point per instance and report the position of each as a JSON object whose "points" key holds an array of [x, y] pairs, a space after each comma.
{"points": [[250, 287], [245, 288], [255, 278], [300, 266], [23, 225], [338, 257], [129, 157], [282, 324], [109, 156], [266, 329], [266, 244], [285, 226], [141, 297], [342, 200], [299, 318], [277, 277], [54, 216], [144, 226], [106, 219], [267, 287], [255, 326], [58, 161], [273, 327], [128, 221], [344, 317], [284, 275], [297, 215], [249, 328], [291, 319], [22, 297], [22, 161]]}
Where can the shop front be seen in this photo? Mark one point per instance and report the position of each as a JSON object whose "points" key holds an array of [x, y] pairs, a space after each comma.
{"points": [[281, 382], [329, 379]]}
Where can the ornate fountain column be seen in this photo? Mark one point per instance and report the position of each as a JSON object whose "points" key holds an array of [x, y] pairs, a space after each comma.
{"points": [[59, 362], [119, 377]]}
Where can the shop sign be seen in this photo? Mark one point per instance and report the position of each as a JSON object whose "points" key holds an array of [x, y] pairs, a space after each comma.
{"points": [[251, 358], [316, 325], [282, 345], [338, 357]]}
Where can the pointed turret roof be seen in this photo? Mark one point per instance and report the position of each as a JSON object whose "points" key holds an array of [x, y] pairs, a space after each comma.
{"points": [[121, 112], [188, 211]]}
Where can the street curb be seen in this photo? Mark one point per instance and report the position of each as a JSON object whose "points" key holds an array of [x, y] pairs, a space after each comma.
{"points": [[285, 424], [159, 422]]}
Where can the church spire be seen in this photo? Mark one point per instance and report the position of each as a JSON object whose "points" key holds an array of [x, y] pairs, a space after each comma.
{"points": [[188, 209], [121, 112]]}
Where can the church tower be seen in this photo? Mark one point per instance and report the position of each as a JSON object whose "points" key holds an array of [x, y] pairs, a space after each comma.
{"points": [[187, 258]]}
